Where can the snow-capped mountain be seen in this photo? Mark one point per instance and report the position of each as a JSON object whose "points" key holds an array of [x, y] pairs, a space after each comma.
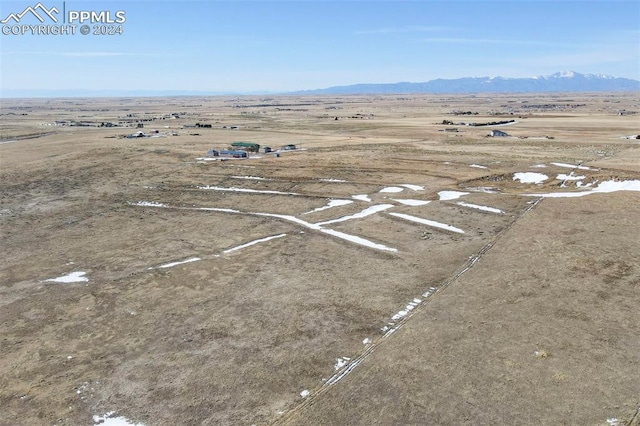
{"points": [[564, 81], [573, 74]]}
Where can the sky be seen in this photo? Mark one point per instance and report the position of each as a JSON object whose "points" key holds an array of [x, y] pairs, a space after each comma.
{"points": [[267, 46]]}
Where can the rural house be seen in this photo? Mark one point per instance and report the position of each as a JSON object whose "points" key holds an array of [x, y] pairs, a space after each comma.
{"points": [[246, 146]]}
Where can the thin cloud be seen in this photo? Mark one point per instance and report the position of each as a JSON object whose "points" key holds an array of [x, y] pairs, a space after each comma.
{"points": [[463, 40], [94, 54], [112, 54], [404, 30]]}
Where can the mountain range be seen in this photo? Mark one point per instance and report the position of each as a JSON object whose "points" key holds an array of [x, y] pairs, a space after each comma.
{"points": [[566, 81]]}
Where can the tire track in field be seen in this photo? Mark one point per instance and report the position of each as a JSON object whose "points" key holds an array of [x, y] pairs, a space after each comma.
{"points": [[354, 362]]}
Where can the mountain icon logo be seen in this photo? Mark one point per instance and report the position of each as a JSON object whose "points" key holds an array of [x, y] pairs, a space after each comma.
{"points": [[34, 11]]}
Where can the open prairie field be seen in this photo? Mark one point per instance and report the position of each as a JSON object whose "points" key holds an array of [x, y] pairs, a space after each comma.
{"points": [[399, 266]]}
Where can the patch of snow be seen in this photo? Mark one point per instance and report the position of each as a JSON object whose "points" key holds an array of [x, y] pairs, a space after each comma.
{"points": [[427, 222], [483, 208], [392, 189], [485, 189], [413, 187], [570, 176], [361, 197], [364, 213], [305, 393], [314, 226], [338, 234], [341, 362], [182, 262], [478, 166], [358, 240], [148, 204], [342, 373], [572, 166], [530, 177], [251, 243], [333, 180], [216, 209], [400, 314], [83, 388], [405, 311], [332, 203], [109, 420], [366, 341], [429, 292], [73, 277], [564, 74], [289, 218], [602, 188], [540, 166], [612, 421], [233, 189], [390, 331], [450, 195], [205, 159], [250, 177], [412, 202]]}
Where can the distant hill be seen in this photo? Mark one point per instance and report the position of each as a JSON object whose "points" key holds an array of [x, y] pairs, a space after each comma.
{"points": [[566, 81]]}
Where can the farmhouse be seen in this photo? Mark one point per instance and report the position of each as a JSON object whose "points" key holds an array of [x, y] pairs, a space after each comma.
{"points": [[232, 154], [246, 146]]}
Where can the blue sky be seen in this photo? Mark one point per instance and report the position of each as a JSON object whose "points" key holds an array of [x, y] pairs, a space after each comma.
{"points": [[248, 46]]}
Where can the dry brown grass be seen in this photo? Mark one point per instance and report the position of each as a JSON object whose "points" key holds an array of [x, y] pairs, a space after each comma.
{"points": [[235, 337]]}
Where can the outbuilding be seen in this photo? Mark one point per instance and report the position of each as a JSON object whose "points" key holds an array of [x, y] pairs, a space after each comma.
{"points": [[498, 133]]}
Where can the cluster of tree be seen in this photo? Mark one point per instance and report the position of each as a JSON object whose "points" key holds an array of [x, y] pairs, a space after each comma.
{"points": [[491, 123], [464, 113]]}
